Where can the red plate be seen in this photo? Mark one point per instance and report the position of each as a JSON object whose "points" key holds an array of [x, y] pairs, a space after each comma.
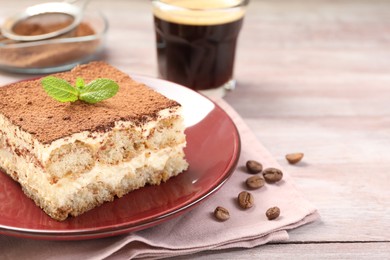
{"points": [[213, 148]]}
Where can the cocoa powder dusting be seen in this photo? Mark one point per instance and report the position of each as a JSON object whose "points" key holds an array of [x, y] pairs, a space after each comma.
{"points": [[49, 119]]}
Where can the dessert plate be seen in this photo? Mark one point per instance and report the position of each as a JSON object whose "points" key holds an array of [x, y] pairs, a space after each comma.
{"points": [[213, 149]]}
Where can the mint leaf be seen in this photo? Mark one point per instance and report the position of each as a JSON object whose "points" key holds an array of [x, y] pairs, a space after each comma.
{"points": [[80, 83], [98, 90], [59, 89]]}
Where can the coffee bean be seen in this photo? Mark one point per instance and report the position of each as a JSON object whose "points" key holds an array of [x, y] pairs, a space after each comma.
{"points": [[272, 213], [255, 182], [293, 158], [245, 200], [272, 175], [254, 166], [221, 213]]}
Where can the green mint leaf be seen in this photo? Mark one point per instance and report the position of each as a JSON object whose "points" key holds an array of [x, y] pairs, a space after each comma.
{"points": [[60, 89], [80, 83], [95, 91], [98, 90]]}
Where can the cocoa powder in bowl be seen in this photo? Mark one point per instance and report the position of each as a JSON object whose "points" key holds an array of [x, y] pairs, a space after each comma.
{"points": [[42, 24], [82, 42]]}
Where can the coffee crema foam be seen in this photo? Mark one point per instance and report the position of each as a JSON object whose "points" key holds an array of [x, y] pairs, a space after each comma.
{"points": [[199, 12]]}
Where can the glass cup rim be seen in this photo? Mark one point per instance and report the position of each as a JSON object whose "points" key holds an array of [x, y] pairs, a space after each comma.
{"points": [[161, 4]]}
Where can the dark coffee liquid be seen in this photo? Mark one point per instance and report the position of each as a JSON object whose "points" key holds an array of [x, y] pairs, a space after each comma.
{"points": [[196, 56]]}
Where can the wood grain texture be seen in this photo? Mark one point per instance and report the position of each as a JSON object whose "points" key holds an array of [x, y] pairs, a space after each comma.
{"points": [[313, 77]]}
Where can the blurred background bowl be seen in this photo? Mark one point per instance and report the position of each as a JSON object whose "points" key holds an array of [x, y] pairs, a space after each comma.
{"points": [[56, 54]]}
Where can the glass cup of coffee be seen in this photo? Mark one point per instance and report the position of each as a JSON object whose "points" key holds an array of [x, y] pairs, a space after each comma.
{"points": [[196, 42]]}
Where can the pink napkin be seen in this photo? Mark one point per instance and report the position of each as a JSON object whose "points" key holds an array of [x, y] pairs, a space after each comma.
{"points": [[196, 230]]}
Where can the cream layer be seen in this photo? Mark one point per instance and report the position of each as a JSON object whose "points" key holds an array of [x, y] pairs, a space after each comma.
{"points": [[20, 139], [60, 194]]}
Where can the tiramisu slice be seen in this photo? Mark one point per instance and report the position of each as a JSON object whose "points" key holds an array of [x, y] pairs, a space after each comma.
{"points": [[71, 157]]}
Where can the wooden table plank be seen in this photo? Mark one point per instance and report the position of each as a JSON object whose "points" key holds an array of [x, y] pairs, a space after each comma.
{"points": [[318, 82], [313, 76]]}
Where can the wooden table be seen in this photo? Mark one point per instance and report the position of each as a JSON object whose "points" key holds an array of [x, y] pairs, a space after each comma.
{"points": [[314, 77]]}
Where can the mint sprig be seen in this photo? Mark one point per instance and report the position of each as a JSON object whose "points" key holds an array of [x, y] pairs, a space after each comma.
{"points": [[93, 92], [60, 89]]}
